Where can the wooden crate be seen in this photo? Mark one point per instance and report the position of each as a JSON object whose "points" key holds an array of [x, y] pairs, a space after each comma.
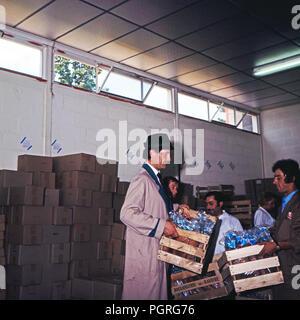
{"points": [[206, 287], [242, 210], [234, 265]]}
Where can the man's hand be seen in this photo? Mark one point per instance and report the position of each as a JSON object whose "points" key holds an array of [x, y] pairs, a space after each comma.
{"points": [[170, 230], [269, 248], [185, 210]]}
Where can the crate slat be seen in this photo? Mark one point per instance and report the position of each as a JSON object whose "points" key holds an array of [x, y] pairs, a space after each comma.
{"points": [[203, 238]]}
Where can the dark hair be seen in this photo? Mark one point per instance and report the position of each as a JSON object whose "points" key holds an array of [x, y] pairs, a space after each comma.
{"points": [[157, 142], [266, 197], [218, 196], [165, 184], [290, 168]]}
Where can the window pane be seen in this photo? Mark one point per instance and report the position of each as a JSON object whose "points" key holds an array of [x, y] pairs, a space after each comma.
{"points": [[249, 122], [20, 57], [159, 97], [74, 73], [224, 114], [146, 87], [192, 107], [124, 86]]}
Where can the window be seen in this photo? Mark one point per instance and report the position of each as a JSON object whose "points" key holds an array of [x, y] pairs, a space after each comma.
{"points": [[74, 73], [21, 57], [159, 97], [192, 107], [249, 121], [221, 114]]}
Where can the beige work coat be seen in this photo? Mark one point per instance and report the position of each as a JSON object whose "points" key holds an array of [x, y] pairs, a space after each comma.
{"points": [[144, 275]]}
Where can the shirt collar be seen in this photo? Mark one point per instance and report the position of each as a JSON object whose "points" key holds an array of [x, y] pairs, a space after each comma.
{"points": [[152, 168], [287, 198]]}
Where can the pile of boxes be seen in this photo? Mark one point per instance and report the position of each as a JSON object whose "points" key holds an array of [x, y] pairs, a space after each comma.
{"points": [[63, 225]]}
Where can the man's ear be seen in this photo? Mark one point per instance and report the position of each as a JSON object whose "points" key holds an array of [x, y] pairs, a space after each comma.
{"points": [[221, 204]]}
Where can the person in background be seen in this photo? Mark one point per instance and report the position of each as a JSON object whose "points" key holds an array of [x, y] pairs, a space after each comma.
{"points": [[145, 213], [214, 206], [286, 233], [262, 216]]}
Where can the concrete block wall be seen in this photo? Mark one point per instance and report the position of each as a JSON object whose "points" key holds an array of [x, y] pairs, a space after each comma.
{"points": [[280, 135]]}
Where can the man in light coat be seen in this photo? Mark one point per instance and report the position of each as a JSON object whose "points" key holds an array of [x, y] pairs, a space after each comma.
{"points": [[145, 213]]}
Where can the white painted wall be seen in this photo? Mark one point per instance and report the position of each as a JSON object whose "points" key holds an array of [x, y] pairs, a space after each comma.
{"points": [[77, 116], [281, 132]]}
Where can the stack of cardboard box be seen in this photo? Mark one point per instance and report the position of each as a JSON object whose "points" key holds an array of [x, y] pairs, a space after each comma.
{"points": [[57, 236]]}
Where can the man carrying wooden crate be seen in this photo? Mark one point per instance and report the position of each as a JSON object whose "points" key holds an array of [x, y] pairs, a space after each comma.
{"points": [[214, 206], [145, 213], [287, 228]]}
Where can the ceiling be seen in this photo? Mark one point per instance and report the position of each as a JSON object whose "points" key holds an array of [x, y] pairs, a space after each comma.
{"points": [[211, 45]]}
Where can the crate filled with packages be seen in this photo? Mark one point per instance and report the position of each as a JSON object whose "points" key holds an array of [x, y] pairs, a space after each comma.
{"points": [[243, 263]]}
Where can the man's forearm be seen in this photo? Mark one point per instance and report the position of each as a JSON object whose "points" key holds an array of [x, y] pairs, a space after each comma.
{"points": [[284, 245]]}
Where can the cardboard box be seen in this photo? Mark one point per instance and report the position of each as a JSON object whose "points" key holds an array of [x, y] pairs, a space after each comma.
{"points": [[60, 253], [75, 162], [31, 215], [61, 290], [43, 179], [82, 289], [102, 199], [105, 216], [29, 163], [80, 179], [85, 215], [11, 178], [76, 197], [83, 250], [118, 246], [118, 231], [2, 261], [55, 234], [2, 226], [29, 254], [4, 196], [24, 275], [79, 269], [51, 198], [122, 187], [80, 232], [100, 233], [99, 268], [1, 243], [118, 201], [108, 183], [62, 216], [24, 234], [104, 250], [1, 235], [105, 166], [108, 288], [31, 292], [117, 264], [55, 272], [29, 195]]}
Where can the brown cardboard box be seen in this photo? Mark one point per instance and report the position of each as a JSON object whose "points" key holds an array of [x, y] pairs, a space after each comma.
{"points": [[105, 250], [55, 272], [62, 215], [60, 252], [118, 246], [108, 183], [80, 179], [106, 216], [43, 179], [83, 250], [24, 275], [122, 187], [31, 254], [29, 195], [31, 215], [118, 231], [79, 269], [80, 232], [117, 264], [99, 268], [102, 199], [100, 233], [118, 201], [72, 162], [2, 226], [29, 163], [1, 235], [108, 288], [4, 196], [76, 197], [24, 234], [2, 261], [61, 290], [1, 243], [55, 234], [51, 198], [85, 215], [109, 167], [31, 292], [82, 289], [11, 178]]}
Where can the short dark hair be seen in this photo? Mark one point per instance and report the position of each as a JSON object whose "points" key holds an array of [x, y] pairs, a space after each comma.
{"points": [[266, 197], [165, 184], [157, 142], [290, 168], [218, 196]]}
